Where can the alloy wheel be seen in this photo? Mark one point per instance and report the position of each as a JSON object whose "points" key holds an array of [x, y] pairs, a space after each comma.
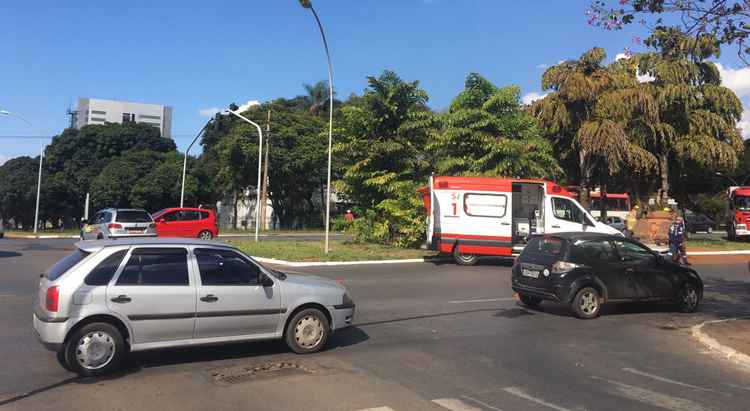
{"points": [[95, 350], [589, 303], [308, 332]]}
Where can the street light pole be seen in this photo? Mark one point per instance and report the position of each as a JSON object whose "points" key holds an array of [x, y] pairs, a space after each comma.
{"points": [[41, 159], [260, 157], [184, 162], [308, 5]]}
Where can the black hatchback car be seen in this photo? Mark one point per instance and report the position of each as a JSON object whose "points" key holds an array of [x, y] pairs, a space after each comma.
{"points": [[587, 270]]}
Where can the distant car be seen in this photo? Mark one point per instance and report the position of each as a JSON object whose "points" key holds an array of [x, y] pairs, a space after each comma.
{"points": [[109, 298], [699, 222], [118, 223], [616, 222], [586, 270], [186, 222], [2, 229]]}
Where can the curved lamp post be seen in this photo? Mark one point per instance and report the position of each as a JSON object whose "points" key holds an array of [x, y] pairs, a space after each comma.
{"points": [[308, 5], [260, 154], [41, 159], [184, 162]]}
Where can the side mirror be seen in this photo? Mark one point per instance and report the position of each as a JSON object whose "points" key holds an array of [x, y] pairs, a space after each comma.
{"points": [[266, 281]]}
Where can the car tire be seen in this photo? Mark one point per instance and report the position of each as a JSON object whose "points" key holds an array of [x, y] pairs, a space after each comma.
{"points": [[308, 331], [95, 349], [529, 301], [205, 235], [464, 259], [688, 298], [63, 360], [586, 304]]}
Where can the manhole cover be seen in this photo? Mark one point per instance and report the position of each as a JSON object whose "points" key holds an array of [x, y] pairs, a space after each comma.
{"points": [[236, 375]]}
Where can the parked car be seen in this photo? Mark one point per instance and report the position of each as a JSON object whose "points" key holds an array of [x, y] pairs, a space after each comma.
{"points": [[699, 222], [587, 270], [186, 222], [109, 298], [616, 222], [118, 223]]}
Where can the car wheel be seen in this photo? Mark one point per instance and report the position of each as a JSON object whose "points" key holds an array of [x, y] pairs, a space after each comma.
{"points": [[63, 361], [464, 259], [530, 301], [586, 303], [688, 298], [205, 235], [308, 331], [95, 349]]}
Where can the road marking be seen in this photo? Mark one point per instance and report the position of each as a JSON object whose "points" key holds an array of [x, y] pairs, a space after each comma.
{"points": [[483, 404], [455, 404], [667, 380], [522, 394], [739, 387], [377, 409], [653, 398], [483, 300]]}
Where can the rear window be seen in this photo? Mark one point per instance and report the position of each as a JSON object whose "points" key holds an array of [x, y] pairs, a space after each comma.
{"points": [[156, 266], [133, 217], [552, 246], [103, 273], [62, 266]]}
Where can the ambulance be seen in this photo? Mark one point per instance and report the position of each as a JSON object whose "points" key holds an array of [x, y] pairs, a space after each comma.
{"points": [[494, 216]]}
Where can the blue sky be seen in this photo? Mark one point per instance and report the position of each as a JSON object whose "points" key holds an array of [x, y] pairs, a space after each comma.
{"points": [[196, 56]]}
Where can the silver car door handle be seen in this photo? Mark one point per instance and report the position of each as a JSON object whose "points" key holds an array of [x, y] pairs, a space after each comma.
{"points": [[555, 226], [121, 299], [505, 223], [210, 298]]}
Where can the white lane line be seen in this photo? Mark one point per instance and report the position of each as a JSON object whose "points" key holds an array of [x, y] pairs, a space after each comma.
{"points": [[377, 409], [483, 300], [455, 404], [653, 398], [739, 387], [667, 380], [522, 394], [482, 403]]}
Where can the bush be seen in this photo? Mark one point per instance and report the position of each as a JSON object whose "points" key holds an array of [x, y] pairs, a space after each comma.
{"points": [[712, 205], [340, 224], [399, 221]]}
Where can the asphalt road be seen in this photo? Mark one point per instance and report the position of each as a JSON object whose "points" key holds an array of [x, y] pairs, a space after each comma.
{"points": [[427, 337]]}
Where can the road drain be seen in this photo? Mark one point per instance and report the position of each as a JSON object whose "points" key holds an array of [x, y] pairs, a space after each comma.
{"points": [[237, 375]]}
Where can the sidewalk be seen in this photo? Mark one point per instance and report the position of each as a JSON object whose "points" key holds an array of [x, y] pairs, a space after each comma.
{"points": [[730, 338]]}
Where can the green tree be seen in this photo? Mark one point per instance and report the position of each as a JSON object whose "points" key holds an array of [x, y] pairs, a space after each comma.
{"points": [[316, 96], [381, 141], [486, 132], [18, 180], [112, 187], [697, 117], [590, 116]]}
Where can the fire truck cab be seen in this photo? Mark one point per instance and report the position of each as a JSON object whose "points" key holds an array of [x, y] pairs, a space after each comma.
{"points": [[739, 213], [472, 216]]}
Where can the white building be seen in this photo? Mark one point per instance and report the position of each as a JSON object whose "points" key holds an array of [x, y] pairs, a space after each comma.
{"points": [[245, 212], [98, 111]]}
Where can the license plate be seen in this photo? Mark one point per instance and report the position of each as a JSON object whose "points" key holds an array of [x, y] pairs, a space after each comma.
{"points": [[530, 273], [135, 230]]}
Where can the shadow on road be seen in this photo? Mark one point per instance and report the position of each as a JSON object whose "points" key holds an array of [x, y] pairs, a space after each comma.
{"points": [[4, 254], [38, 391], [444, 259]]}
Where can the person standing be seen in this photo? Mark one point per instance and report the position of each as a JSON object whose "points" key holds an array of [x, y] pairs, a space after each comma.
{"points": [[677, 241]]}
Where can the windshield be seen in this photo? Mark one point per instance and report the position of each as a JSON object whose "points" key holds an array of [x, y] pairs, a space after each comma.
{"points": [[742, 203], [133, 216], [62, 266], [158, 213], [551, 246]]}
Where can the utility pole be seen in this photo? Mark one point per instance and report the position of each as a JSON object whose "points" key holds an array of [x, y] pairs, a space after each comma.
{"points": [[264, 193]]}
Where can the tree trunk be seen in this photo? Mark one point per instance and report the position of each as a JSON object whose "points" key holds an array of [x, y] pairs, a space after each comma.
{"points": [[234, 214], [585, 186], [603, 203], [664, 180]]}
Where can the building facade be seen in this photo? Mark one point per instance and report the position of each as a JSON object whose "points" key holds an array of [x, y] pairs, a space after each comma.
{"points": [[98, 111]]}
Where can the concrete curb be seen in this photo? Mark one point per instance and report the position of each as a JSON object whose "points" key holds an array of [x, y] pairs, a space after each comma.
{"points": [[335, 263], [730, 353], [40, 237]]}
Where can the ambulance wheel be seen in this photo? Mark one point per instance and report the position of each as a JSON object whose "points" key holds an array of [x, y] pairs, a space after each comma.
{"points": [[464, 259]]}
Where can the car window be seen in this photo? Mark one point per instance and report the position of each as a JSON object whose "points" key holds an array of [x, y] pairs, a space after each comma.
{"points": [[133, 216], [106, 217], [485, 205], [551, 246], [156, 266], [189, 216], [592, 252], [173, 216], [224, 267], [65, 264], [103, 273], [631, 252], [565, 209], [204, 215]]}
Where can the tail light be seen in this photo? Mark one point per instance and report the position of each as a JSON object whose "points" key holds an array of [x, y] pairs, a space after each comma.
{"points": [[114, 226], [562, 267], [52, 301]]}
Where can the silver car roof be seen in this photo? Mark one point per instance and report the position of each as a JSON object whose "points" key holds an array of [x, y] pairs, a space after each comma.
{"points": [[91, 246]]}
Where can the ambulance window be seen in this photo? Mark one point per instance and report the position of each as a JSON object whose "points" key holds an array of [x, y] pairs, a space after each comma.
{"points": [[485, 205], [565, 209]]}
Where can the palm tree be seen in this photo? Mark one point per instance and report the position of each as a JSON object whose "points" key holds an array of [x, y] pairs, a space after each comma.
{"points": [[317, 96], [588, 117], [697, 117]]}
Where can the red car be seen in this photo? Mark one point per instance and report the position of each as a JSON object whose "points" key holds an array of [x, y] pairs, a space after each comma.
{"points": [[186, 222]]}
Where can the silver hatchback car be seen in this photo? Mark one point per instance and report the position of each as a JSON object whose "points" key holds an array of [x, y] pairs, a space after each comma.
{"points": [[109, 298], [117, 223]]}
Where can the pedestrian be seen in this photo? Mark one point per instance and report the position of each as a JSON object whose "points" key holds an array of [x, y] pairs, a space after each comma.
{"points": [[631, 220], [349, 216], [677, 241]]}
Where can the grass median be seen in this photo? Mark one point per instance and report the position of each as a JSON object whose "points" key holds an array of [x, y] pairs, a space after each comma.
{"points": [[717, 244], [309, 251]]}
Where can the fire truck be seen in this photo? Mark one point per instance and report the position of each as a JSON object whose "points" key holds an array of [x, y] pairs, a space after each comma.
{"points": [[739, 213]]}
